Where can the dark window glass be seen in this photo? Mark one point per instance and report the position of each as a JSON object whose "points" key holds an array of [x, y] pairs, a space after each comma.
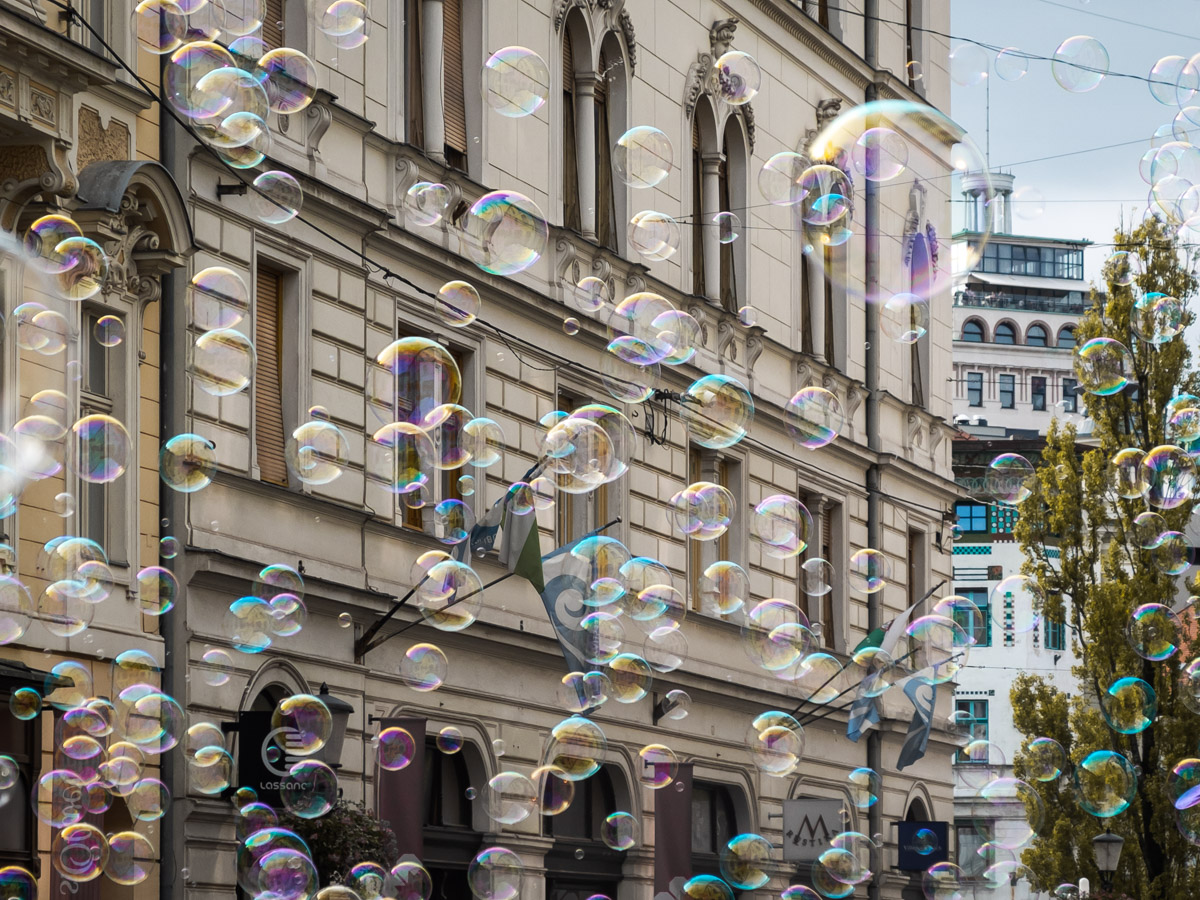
{"points": [[1004, 334], [1056, 635], [972, 517], [1035, 336], [1037, 392], [974, 717], [979, 628], [975, 388], [1008, 385], [1066, 338], [972, 331], [1070, 398]]}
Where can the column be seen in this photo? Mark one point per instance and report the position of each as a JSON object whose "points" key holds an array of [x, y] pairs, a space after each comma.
{"points": [[816, 298], [710, 205], [432, 76], [585, 151], [1008, 212]]}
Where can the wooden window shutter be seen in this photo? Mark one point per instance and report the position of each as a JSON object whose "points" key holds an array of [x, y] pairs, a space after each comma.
{"points": [[414, 97], [729, 297], [697, 213], [827, 554], [572, 217], [272, 27], [606, 226], [269, 438], [454, 103]]}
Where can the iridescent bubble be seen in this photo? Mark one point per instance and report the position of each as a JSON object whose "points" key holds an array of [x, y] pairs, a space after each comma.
{"points": [[109, 331], [222, 362], [308, 720], [187, 463], [738, 77], [242, 17], [1164, 78], [395, 748], [310, 789], [653, 235], [776, 743], [1149, 529], [25, 704], [453, 521], [290, 80], [969, 65], [157, 589], [816, 577], [1157, 318], [657, 766], [495, 874], [424, 667], [285, 872], [317, 452], [779, 179], [425, 203], [775, 635], [782, 525], [1183, 784], [865, 785], [218, 666], [870, 570], [579, 691], [276, 198], [457, 303], [1105, 783], [1103, 366], [666, 647], [516, 82], [149, 800], [1170, 476], [728, 228], [62, 612], [620, 831], [16, 609], [131, 858], [408, 452], [724, 587], [799, 892], [218, 298], [79, 852], [1024, 597], [577, 746], [816, 677], [944, 881], [642, 157], [1011, 64], [483, 439], [630, 677], [717, 410], [1126, 473], [346, 23], [706, 887], [826, 195], [1045, 759], [1154, 631], [1010, 478], [1129, 705], [1080, 64], [814, 417], [905, 318], [1124, 267], [744, 861], [505, 232], [1010, 832], [880, 154], [100, 449], [702, 510], [160, 25]]}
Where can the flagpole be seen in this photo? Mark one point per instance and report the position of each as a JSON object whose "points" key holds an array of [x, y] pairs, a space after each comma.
{"points": [[937, 587], [363, 645], [812, 717]]}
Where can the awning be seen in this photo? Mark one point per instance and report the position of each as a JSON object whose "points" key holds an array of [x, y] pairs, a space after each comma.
{"points": [[1030, 281], [14, 675]]}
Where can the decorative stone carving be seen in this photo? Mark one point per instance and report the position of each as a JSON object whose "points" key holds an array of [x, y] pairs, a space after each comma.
{"points": [[913, 433], [614, 15], [726, 346], [913, 218], [320, 117], [830, 383], [567, 271], [936, 435], [41, 105], [932, 241], [699, 75], [635, 281], [827, 111], [755, 344], [748, 121], [720, 36], [625, 21], [8, 89], [699, 312], [855, 395], [804, 372], [98, 143]]}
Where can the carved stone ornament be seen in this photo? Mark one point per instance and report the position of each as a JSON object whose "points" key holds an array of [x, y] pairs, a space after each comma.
{"points": [[755, 344], [854, 398], [320, 117], [726, 346], [830, 383], [913, 433], [699, 312], [8, 89], [720, 36], [827, 111], [804, 372], [914, 217], [936, 435], [607, 15], [702, 78]]}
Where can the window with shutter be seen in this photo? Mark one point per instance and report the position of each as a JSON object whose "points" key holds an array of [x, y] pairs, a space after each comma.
{"points": [[269, 437], [571, 210], [454, 99], [606, 226], [830, 261], [414, 104], [697, 213], [272, 27], [827, 519], [729, 298]]}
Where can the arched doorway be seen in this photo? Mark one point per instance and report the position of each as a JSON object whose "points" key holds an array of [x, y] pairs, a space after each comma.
{"points": [[579, 864]]}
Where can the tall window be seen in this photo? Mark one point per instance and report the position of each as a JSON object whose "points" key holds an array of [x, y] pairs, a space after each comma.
{"points": [[972, 331], [910, 50], [1008, 391], [1070, 398], [714, 822], [975, 852], [21, 741], [821, 544], [413, 80], [977, 627], [454, 103], [831, 258], [450, 841], [1035, 336], [972, 517], [579, 514], [606, 203], [1037, 392], [732, 191], [1056, 635], [974, 714], [100, 369], [1004, 334], [1066, 338], [570, 873], [571, 212], [697, 211], [823, 13], [270, 436], [709, 465], [272, 26], [975, 388]]}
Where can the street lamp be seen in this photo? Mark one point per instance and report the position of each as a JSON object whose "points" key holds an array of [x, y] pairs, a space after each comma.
{"points": [[1107, 849], [331, 753]]}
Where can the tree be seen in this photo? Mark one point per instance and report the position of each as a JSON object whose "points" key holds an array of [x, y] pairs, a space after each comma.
{"points": [[1083, 552], [344, 837]]}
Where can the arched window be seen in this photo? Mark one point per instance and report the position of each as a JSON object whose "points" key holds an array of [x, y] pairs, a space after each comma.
{"points": [[714, 822], [973, 331], [574, 38], [610, 116], [569, 874], [450, 840], [1035, 336], [707, 181], [1005, 334], [1066, 338], [733, 196]]}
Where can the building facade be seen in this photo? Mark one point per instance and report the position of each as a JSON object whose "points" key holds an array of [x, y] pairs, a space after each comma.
{"points": [[330, 290], [1015, 312]]}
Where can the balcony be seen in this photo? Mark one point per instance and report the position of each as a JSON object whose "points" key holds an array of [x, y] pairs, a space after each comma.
{"points": [[990, 300]]}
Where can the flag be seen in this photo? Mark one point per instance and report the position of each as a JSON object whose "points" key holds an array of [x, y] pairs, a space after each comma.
{"points": [[522, 550], [562, 593], [483, 535], [864, 713], [917, 738]]}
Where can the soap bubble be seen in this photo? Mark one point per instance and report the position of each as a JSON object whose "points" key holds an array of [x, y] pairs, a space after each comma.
{"points": [[969, 65], [1045, 759], [724, 587], [1010, 478], [1183, 784], [1015, 832], [776, 743], [1024, 597], [509, 798], [1011, 64], [425, 203], [457, 303], [880, 154], [717, 410], [1157, 318], [827, 195], [738, 77], [409, 881], [317, 452], [728, 228], [451, 595], [1154, 631], [290, 79], [653, 235], [1126, 474], [218, 298], [642, 157], [187, 463], [86, 269], [423, 667], [516, 82], [409, 449], [1105, 783], [782, 525], [706, 887], [870, 570], [1080, 64], [131, 858], [744, 861], [308, 720], [814, 417], [276, 197], [1125, 266], [578, 747], [505, 232], [346, 23], [620, 831], [101, 449], [1170, 475], [630, 676], [1129, 705], [905, 318], [396, 748], [453, 521], [702, 510], [109, 331], [495, 874], [222, 362], [657, 766], [79, 852], [1103, 366], [160, 25], [779, 180], [1149, 529], [865, 785], [157, 589]]}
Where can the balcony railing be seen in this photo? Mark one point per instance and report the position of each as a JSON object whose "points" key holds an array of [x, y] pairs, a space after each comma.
{"points": [[1008, 301]]}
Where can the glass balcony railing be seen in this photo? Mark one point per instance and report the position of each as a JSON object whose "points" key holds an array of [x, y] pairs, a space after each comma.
{"points": [[1069, 305]]}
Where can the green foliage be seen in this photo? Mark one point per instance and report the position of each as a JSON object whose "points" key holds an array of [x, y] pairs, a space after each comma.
{"points": [[1098, 578], [344, 837]]}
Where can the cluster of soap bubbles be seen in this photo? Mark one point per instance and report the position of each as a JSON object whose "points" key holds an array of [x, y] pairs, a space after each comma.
{"points": [[1079, 64]]}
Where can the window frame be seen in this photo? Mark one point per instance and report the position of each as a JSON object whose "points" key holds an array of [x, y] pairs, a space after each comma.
{"points": [[1009, 330], [974, 512], [974, 328], [720, 803], [1058, 339], [1070, 398], [1036, 336], [1055, 637], [1006, 388], [978, 596], [29, 766], [1037, 392], [972, 706], [729, 470], [975, 389]]}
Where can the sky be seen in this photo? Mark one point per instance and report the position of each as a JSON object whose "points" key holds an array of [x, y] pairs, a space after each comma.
{"points": [[1033, 117]]}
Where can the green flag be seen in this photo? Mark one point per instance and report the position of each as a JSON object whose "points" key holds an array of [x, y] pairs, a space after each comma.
{"points": [[529, 562]]}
